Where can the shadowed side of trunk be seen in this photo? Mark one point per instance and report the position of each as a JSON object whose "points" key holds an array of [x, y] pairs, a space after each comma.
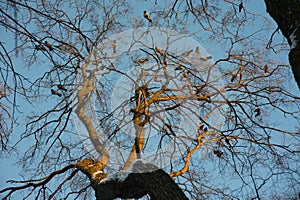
{"points": [[287, 15], [157, 184]]}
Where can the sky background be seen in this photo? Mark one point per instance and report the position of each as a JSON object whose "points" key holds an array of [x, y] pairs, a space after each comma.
{"points": [[9, 168]]}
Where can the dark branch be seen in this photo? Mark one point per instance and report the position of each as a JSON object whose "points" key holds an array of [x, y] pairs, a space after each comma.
{"points": [[41, 182]]}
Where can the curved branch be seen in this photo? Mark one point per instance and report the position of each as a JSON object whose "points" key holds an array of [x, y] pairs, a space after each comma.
{"points": [[86, 89], [189, 155]]}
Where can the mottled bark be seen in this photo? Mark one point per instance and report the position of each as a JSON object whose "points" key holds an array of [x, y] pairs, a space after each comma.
{"points": [[287, 16]]}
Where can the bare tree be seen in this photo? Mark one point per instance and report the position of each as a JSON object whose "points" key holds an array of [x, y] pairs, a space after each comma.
{"points": [[125, 102]]}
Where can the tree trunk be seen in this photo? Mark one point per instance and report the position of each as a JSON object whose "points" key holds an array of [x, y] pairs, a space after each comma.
{"points": [[287, 15], [142, 179], [157, 184]]}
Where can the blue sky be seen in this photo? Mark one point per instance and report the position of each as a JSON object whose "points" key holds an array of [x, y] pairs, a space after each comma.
{"points": [[8, 166]]}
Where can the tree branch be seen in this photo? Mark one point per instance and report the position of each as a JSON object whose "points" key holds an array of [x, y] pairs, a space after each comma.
{"points": [[44, 181]]}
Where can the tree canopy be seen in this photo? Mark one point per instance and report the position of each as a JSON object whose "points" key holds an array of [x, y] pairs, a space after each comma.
{"points": [[150, 99]]}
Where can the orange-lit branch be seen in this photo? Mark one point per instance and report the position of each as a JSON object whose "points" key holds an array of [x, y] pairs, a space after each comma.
{"points": [[189, 155]]}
